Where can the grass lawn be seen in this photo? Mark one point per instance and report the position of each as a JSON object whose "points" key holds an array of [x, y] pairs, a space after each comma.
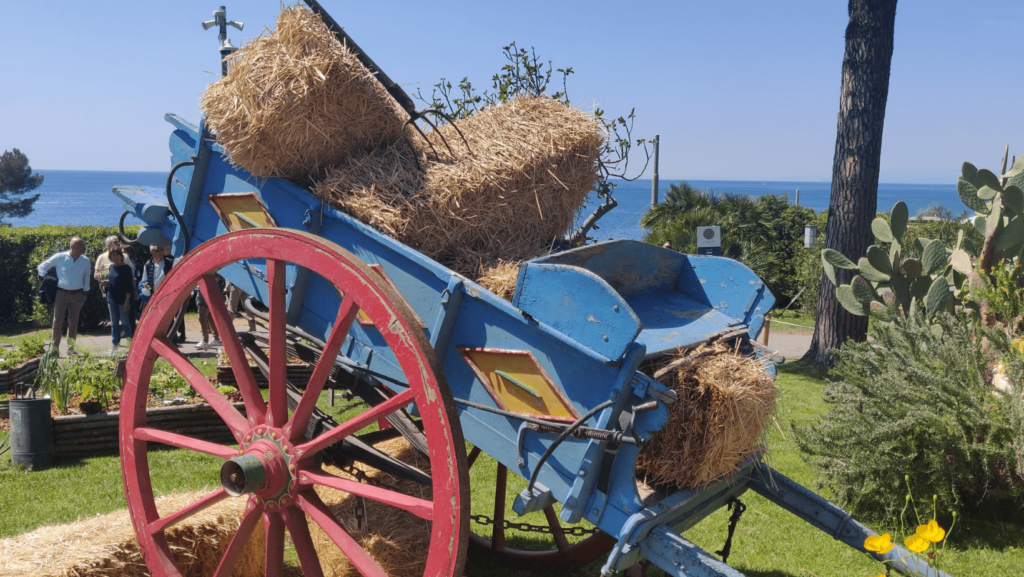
{"points": [[769, 542]]}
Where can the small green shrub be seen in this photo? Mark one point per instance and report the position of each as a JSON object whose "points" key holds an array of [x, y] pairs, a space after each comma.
{"points": [[49, 379], [914, 400], [29, 348], [91, 376], [1002, 292], [165, 381]]}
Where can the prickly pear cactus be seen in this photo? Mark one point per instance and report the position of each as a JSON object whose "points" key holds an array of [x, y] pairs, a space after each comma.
{"points": [[886, 284]]}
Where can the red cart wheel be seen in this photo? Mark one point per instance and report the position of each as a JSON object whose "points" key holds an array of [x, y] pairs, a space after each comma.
{"points": [[560, 553], [274, 467]]}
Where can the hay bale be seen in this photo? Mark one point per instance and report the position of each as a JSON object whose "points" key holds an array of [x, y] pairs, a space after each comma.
{"points": [[726, 402], [396, 539], [533, 163], [105, 545], [500, 278], [296, 100]]}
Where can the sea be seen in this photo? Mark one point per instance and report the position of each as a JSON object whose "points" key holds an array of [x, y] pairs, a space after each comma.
{"points": [[79, 197]]}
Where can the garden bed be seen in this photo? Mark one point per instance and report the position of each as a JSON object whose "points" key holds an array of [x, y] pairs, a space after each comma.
{"points": [[88, 435], [23, 373]]}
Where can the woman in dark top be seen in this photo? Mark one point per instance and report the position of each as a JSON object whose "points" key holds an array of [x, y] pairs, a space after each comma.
{"points": [[120, 295]]}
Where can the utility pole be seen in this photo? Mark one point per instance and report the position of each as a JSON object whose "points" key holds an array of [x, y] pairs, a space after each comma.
{"points": [[654, 181], [220, 19], [798, 197]]}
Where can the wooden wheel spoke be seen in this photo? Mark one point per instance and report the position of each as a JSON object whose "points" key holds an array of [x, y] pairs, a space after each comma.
{"points": [[183, 442], [277, 351], [295, 520], [187, 511], [234, 419], [420, 507], [556, 528], [323, 517], [498, 529], [351, 426], [238, 542], [300, 417], [273, 532], [246, 382], [473, 454]]}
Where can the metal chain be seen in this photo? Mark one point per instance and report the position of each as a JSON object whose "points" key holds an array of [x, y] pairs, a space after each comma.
{"points": [[528, 528], [480, 519], [738, 508], [361, 476]]}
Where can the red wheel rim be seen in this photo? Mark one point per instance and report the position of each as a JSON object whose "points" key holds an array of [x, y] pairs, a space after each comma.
{"points": [[274, 464]]}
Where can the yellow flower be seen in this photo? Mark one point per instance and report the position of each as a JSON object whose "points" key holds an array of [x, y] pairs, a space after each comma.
{"points": [[879, 543], [931, 532], [916, 544]]}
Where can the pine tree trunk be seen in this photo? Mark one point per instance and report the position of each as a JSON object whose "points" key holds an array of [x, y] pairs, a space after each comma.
{"points": [[854, 199]]}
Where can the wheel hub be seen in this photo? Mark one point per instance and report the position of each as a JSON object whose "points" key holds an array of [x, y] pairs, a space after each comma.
{"points": [[264, 468]]}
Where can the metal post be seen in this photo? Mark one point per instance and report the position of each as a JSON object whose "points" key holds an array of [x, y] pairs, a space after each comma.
{"points": [[798, 197], [654, 181], [220, 20]]}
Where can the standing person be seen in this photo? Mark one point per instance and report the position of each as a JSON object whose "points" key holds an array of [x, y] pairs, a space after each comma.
{"points": [[73, 273], [120, 296], [103, 260], [235, 296], [154, 271], [133, 314], [206, 325], [153, 274]]}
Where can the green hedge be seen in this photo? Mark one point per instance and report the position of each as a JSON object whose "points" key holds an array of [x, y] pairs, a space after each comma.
{"points": [[21, 251]]}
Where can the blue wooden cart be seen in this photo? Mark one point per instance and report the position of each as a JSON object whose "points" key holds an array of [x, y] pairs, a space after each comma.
{"points": [[548, 384]]}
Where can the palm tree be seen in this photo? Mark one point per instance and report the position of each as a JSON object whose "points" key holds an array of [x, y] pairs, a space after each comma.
{"points": [[741, 217]]}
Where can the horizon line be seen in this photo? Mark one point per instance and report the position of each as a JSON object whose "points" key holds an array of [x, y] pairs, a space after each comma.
{"points": [[660, 178]]}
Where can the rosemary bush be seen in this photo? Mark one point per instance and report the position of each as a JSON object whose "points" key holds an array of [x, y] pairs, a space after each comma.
{"points": [[914, 400]]}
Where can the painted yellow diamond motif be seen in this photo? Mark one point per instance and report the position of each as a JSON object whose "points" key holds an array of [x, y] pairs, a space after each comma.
{"points": [[518, 383]]}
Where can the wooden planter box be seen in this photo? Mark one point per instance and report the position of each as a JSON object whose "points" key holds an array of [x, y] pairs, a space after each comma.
{"points": [[83, 436], [298, 375], [21, 373]]}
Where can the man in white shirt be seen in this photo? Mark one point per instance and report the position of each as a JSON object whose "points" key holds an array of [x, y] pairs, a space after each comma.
{"points": [[73, 274]]}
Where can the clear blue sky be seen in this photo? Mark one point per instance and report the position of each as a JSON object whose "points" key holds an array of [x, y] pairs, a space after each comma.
{"points": [[738, 89]]}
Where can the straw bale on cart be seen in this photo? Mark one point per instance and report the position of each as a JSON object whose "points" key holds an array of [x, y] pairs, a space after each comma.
{"points": [[530, 165], [297, 104], [297, 101], [726, 402]]}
